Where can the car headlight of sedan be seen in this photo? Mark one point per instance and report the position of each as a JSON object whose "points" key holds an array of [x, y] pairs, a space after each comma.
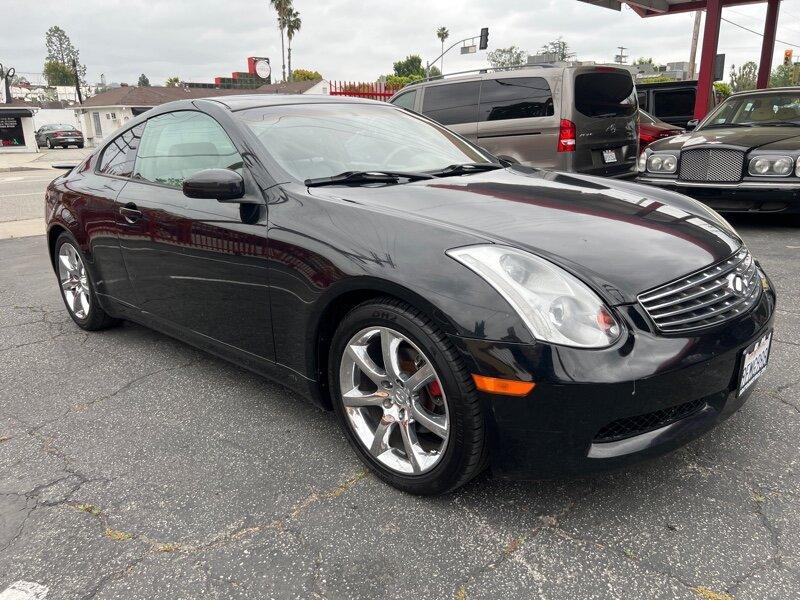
{"points": [[660, 162], [771, 166], [554, 305]]}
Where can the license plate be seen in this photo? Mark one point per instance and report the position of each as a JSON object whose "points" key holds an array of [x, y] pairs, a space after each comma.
{"points": [[609, 156], [754, 362], [71, 140]]}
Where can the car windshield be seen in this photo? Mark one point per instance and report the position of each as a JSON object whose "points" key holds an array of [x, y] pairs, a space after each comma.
{"points": [[62, 126], [310, 141], [749, 111]]}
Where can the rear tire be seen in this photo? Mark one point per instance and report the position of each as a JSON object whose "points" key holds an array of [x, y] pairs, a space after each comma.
{"points": [[77, 287], [49, 144], [464, 454]]}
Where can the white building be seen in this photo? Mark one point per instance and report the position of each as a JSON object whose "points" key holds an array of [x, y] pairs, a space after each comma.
{"points": [[17, 132]]}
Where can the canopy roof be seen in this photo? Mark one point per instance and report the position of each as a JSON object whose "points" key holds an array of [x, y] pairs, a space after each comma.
{"points": [[654, 8]]}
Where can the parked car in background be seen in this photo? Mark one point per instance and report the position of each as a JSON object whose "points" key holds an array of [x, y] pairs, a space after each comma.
{"points": [[453, 313], [670, 101], [652, 129], [59, 135], [744, 156], [578, 119]]}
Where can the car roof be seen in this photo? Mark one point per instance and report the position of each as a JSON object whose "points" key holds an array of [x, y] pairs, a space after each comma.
{"points": [[774, 90], [243, 102]]}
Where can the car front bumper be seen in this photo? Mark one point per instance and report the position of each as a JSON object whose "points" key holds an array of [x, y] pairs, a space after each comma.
{"points": [[746, 196], [553, 430]]}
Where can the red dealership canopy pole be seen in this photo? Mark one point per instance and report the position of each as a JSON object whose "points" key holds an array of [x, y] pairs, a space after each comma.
{"points": [[707, 56], [768, 45]]}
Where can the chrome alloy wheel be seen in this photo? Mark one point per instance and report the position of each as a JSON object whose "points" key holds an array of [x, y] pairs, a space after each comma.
{"points": [[74, 281], [394, 400]]}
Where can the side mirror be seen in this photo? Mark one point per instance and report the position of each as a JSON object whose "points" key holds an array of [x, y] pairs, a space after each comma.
{"points": [[223, 185], [692, 124]]}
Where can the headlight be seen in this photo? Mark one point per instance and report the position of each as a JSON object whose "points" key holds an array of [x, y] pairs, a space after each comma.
{"points": [[780, 166], [641, 164], [554, 305], [797, 168], [662, 163]]}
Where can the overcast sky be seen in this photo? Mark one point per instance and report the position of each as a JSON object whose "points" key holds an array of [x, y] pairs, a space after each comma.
{"points": [[349, 39]]}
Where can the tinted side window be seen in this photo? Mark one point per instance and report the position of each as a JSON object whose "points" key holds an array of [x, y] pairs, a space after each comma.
{"points": [[452, 103], [642, 99], [118, 156], [515, 98], [178, 145], [674, 103], [406, 100]]}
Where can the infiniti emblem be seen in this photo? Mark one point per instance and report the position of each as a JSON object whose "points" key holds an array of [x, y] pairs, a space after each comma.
{"points": [[736, 284]]}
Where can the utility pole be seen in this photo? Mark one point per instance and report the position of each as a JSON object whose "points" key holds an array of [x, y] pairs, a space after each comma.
{"points": [[621, 58], [77, 81], [693, 50]]}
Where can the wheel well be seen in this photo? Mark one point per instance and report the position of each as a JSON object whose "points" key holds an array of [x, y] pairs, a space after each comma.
{"points": [[52, 236], [334, 313]]}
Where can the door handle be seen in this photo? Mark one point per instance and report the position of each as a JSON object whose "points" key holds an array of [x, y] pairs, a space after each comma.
{"points": [[130, 213]]}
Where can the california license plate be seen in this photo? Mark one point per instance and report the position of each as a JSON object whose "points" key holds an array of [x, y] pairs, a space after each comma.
{"points": [[609, 156], [754, 362]]}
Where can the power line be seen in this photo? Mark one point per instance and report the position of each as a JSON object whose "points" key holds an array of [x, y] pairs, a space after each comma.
{"points": [[756, 32]]}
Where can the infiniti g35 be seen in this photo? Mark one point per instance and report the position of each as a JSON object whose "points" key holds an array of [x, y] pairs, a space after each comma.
{"points": [[455, 312]]}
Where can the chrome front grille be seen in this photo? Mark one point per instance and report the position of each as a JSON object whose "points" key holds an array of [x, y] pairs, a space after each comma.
{"points": [[705, 298], [711, 164]]}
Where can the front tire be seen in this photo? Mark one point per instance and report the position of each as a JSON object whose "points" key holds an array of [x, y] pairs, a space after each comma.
{"points": [[49, 144], [77, 288], [404, 400]]}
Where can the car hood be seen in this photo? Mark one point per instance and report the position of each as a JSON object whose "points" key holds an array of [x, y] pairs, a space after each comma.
{"points": [[624, 238], [743, 137]]}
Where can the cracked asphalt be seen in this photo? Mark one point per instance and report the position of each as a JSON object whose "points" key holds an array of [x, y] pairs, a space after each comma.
{"points": [[134, 466]]}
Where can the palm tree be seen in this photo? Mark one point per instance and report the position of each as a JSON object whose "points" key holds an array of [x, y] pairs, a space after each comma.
{"points": [[442, 34], [282, 7], [292, 24]]}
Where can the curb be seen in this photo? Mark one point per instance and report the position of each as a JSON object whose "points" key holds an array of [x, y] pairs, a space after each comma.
{"points": [[16, 169]]}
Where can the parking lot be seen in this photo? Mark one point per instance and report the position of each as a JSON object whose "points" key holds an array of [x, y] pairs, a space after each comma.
{"points": [[134, 466]]}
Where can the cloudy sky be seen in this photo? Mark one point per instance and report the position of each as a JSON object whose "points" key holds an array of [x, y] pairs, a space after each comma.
{"points": [[348, 39]]}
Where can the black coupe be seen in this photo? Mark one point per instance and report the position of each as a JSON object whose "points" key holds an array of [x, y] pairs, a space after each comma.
{"points": [[454, 311], [744, 156]]}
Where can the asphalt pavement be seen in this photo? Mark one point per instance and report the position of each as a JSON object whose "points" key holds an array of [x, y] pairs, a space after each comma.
{"points": [[134, 466]]}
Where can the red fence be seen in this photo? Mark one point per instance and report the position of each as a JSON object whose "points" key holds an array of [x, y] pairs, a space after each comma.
{"points": [[374, 91]]}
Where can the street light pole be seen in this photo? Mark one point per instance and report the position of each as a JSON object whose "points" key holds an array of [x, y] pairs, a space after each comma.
{"points": [[482, 35]]}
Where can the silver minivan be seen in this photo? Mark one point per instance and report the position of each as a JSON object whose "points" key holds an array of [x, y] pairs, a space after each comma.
{"points": [[568, 118]]}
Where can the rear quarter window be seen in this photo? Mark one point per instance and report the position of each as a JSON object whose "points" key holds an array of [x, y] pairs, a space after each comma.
{"points": [[452, 103], [605, 94], [406, 100], [118, 157], [673, 103], [515, 98]]}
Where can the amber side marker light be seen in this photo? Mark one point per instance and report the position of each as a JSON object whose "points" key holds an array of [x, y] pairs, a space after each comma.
{"points": [[507, 387]]}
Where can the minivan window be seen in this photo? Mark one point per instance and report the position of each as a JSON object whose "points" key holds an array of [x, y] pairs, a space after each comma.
{"points": [[673, 103], [406, 100], [452, 103], [118, 156], [604, 94], [179, 144], [515, 98]]}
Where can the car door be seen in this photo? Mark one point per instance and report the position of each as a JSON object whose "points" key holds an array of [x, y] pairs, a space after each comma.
{"points": [[197, 265], [516, 118], [454, 105]]}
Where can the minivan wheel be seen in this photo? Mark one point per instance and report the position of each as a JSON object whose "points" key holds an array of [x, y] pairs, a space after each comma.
{"points": [[404, 400], [77, 290]]}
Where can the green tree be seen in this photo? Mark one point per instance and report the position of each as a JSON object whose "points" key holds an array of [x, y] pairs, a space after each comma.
{"points": [[558, 47], [282, 9], [143, 81], [442, 34], [306, 75], [745, 77], [784, 76], [410, 66], [507, 57], [644, 61], [722, 89], [173, 81], [61, 50], [292, 24], [56, 73]]}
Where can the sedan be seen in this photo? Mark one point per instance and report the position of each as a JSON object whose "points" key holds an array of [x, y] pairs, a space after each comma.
{"points": [[743, 157], [59, 135], [454, 312], [652, 129]]}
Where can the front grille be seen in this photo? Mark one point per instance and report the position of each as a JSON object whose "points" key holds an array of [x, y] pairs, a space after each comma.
{"points": [[705, 298], [631, 426], [711, 164]]}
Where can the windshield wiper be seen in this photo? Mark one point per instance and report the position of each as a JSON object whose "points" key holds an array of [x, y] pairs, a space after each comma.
{"points": [[464, 169], [366, 177], [781, 123], [723, 125]]}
